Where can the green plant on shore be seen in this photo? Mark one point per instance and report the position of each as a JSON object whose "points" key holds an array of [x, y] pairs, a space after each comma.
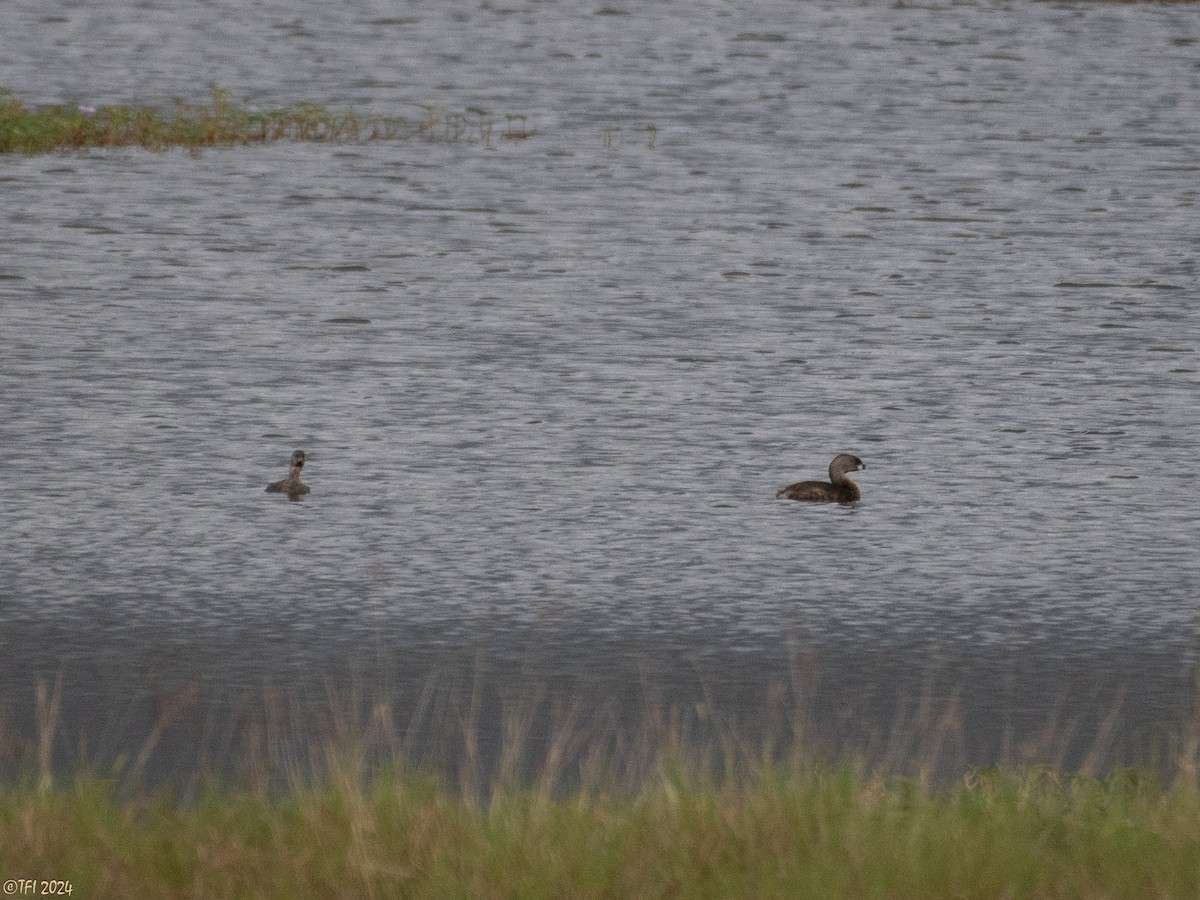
{"points": [[824, 832], [221, 121], [588, 806]]}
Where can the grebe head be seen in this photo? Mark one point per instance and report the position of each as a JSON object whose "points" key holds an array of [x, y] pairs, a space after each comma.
{"points": [[843, 463]]}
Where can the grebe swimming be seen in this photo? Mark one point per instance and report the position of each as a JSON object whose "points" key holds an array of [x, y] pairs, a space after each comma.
{"points": [[839, 488], [292, 485]]}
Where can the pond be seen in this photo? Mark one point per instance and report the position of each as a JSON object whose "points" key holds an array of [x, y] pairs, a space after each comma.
{"points": [[549, 387]]}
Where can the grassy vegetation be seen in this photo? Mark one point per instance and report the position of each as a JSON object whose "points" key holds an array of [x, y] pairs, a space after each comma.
{"points": [[649, 810], [225, 121], [825, 832]]}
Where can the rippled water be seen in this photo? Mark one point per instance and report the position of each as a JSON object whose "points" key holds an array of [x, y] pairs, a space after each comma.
{"points": [[548, 388]]}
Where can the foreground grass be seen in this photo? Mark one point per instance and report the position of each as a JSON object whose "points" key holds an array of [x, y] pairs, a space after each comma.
{"points": [[575, 801], [824, 832], [223, 121]]}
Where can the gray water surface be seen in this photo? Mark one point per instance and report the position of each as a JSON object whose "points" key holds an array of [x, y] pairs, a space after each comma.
{"points": [[548, 388]]}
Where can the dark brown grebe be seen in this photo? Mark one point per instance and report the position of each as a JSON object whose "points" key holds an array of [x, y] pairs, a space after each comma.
{"points": [[292, 485], [839, 488]]}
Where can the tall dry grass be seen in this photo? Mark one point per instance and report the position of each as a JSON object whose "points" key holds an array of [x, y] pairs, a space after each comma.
{"points": [[554, 798]]}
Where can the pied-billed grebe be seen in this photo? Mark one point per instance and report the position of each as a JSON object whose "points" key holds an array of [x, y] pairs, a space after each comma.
{"points": [[839, 488], [292, 485]]}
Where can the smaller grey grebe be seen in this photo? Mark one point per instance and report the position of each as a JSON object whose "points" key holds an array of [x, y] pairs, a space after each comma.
{"points": [[292, 485], [839, 488]]}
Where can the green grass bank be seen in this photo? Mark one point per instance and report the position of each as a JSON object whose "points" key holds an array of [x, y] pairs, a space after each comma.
{"points": [[554, 798], [821, 832], [224, 121]]}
